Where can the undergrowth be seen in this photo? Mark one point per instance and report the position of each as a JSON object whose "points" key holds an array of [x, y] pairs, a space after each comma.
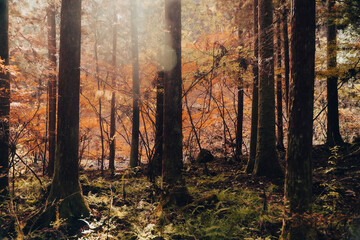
{"points": [[228, 204]]}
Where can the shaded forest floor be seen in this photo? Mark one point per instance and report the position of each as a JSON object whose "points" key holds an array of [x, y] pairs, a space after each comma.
{"points": [[228, 204]]}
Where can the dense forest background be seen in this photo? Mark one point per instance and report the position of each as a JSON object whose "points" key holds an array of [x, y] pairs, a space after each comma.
{"points": [[206, 32], [126, 62]]}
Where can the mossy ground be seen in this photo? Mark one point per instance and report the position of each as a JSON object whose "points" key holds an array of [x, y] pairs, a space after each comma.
{"points": [[228, 204]]}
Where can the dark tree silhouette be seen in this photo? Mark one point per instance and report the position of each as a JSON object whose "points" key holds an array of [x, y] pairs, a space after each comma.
{"points": [[240, 105], [279, 105], [333, 132], [113, 96], [156, 161], [286, 58], [239, 119], [266, 161], [134, 155], [173, 182], [298, 182], [65, 190], [52, 88], [254, 104], [4, 100]]}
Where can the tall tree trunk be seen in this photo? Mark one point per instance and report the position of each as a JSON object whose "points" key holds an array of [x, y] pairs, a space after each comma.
{"points": [[266, 162], [4, 101], [222, 114], [239, 118], [240, 106], [134, 155], [113, 97], [156, 164], [286, 52], [45, 165], [279, 106], [100, 102], [101, 134], [65, 188], [298, 182], [51, 13], [173, 183], [333, 132], [254, 104]]}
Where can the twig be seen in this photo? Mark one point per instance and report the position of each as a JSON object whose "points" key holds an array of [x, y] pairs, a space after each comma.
{"points": [[30, 169]]}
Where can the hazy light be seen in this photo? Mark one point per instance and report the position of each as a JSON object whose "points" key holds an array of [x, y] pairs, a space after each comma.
{"points": [[169, 59]]}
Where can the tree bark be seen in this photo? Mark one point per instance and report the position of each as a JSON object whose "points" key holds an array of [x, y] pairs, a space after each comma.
{"points": [[156, 164], [4, 101], [279, 106], [240, 108], [239, 119], [134, 155], [333, 132], [286, 53], [254, 104], [65, 197], [51, 13], [99, 101], [173, 183], [113, 97], [266, 161], [298, 182]]}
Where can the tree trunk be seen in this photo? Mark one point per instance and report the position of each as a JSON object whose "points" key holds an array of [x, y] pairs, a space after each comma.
{"points": [[65, 198], [298, 182], [101, 134], [100, 102], [113, 98], [279, 106], [51, 13], [239, 118], [156, 164], [286, 53], [4, 101], [266, 162], [134, 155], [333, 132], [254, 104], [240, 106], [173, 183]]}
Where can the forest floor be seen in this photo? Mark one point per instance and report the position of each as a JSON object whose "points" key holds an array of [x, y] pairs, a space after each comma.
{"points": [[228, 204]]}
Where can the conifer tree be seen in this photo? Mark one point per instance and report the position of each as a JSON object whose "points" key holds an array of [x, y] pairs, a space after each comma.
{"points": [[298, 180], [266, 161], [113, 96], [173, 182], [134, 155], [254, 104], [65, 189], [4, 99], [52, 88], [333, 131]]}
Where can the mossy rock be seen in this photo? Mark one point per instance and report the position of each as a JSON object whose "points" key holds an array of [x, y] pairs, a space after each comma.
{"points": [[204, 156]]}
